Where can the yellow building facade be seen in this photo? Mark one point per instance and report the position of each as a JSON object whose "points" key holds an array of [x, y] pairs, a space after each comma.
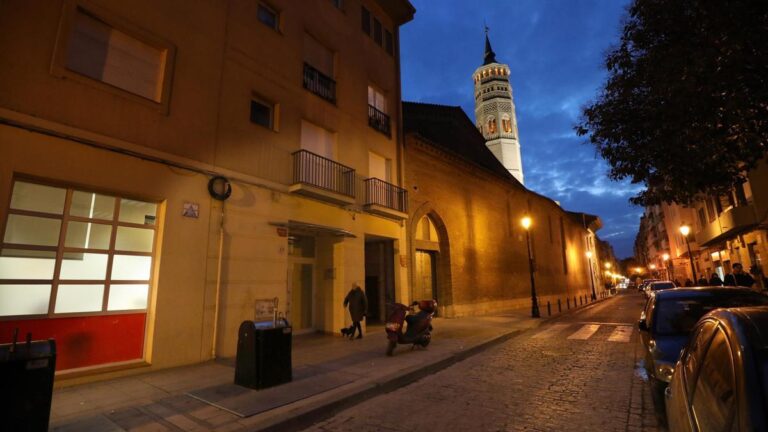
{"points": [[119, 122]]}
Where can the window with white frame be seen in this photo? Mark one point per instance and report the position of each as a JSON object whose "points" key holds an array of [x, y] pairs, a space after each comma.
{"points": [[101, 52], [71, 251]]}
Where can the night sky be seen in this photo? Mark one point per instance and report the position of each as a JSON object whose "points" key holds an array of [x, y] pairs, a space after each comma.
{"points": [[555, 51]]}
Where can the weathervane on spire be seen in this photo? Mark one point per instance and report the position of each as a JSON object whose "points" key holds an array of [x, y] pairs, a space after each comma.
{"points": [[490, 56]]}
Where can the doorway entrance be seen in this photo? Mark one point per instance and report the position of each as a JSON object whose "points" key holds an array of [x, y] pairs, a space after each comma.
{"points": [[426, 274], [301, 282], [379, 277]]}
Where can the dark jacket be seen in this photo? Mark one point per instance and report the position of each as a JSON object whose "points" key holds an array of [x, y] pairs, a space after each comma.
{"points": [[715, 281], [358, 303], [744, 279]]}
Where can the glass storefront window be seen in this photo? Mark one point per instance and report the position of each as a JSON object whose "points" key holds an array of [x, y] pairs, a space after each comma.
{"points": [[38, 198], [86, 235], [31, 230], [22, 299], [27, 264], [58, 259], [137, 212], [134, 239], [92, 206], [84, 266], [128, 297], [79, 298]]}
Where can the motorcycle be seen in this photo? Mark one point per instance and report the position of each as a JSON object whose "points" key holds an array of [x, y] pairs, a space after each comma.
{"points": [[419, 325]]}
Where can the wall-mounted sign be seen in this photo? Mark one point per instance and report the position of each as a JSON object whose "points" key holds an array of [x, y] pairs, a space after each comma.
{"points": [[191, 210]]}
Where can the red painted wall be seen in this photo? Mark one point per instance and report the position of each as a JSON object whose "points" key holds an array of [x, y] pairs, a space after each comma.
{"points": [[85, 341]]}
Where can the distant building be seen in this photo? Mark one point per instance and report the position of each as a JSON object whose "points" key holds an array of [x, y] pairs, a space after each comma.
{"points": [[495, 112]]}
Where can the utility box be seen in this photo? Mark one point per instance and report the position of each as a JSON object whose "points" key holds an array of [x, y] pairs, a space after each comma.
{"points": [[263, 354], [26, 373]]}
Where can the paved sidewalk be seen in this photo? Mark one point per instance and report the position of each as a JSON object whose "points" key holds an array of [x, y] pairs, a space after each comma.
{"points": [[159, 401]]}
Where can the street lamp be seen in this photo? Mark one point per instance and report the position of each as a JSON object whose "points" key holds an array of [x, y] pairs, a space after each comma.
{"points": [[685, 230], [652, 267], [526, 223], [591, 277], [665, 258]]}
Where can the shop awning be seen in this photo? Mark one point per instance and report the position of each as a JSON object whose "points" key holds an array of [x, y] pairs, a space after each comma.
{"points": [[297, 227]]}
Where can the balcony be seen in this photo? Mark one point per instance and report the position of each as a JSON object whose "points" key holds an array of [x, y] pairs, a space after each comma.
{"points": [[322, 178], [378, 120], [319, 84], [386, 199], [729, 224]]}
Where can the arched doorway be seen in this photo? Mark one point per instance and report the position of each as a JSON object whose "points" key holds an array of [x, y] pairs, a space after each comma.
{"points": [[426, 280]]}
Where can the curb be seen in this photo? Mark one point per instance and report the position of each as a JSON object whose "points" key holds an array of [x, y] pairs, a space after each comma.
{"points": [[303, 420], [318, 413]]}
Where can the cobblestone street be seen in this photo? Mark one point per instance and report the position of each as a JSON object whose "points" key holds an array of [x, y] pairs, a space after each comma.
{"points": [[576, 373]]}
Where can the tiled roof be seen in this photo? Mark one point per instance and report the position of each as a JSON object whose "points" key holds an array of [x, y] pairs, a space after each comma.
{"points": [[448, 128]]}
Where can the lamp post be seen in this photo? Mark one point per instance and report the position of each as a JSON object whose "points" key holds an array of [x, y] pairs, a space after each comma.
{"points": [[526, 223], [653, 269], [665, 258], [685, 230], [591, 277]]}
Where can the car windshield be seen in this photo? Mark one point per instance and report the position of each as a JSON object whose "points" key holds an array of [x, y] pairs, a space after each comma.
{"points": [[676, 316], [662, 286]]}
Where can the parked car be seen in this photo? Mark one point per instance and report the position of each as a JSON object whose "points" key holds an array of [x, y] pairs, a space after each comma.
{"points": [[669, 316], [645, 283], [721, 381], [657, 286]]}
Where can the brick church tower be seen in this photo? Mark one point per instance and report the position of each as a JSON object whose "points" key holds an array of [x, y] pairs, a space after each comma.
{"points": [[495, 112]]}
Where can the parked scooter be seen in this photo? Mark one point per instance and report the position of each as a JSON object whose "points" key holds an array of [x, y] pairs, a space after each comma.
{"points": [[419, 330]]}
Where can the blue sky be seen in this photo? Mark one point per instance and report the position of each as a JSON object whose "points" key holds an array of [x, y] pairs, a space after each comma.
{"points": [[554, 49]]}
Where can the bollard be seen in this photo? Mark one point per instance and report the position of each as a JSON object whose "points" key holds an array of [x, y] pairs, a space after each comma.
{"points": [[574, 301], [549, 309], [559, 306], [581, 301], [568, 301]]}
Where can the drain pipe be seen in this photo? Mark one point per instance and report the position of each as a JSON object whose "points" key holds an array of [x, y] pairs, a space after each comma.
{"points": [[220, 189]]}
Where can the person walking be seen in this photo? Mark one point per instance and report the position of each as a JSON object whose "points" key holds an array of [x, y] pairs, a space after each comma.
{"points": [[740, 277], [358, 308], [715, 280], [702, 281], [688, 282]]}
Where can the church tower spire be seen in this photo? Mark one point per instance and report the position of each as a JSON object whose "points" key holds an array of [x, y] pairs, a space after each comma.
{"points": [[495, 111]]}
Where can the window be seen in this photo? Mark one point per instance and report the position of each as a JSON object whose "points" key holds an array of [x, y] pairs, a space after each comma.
{"points": [[388, 42], [319, 62], [702, 217], [377, 99], [425, 230], [492, 125], [318, 140], [264, 113], [506, 124], [338, 3], [71, 251], [377, 36], [713, 398], [97, 50], [379, 167], [268, 16], [365, 17]]}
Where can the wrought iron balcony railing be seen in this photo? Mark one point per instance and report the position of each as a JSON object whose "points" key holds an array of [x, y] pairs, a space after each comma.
{"points": [[378, 120], [315, 170], [319, 84], [386, 194]]}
